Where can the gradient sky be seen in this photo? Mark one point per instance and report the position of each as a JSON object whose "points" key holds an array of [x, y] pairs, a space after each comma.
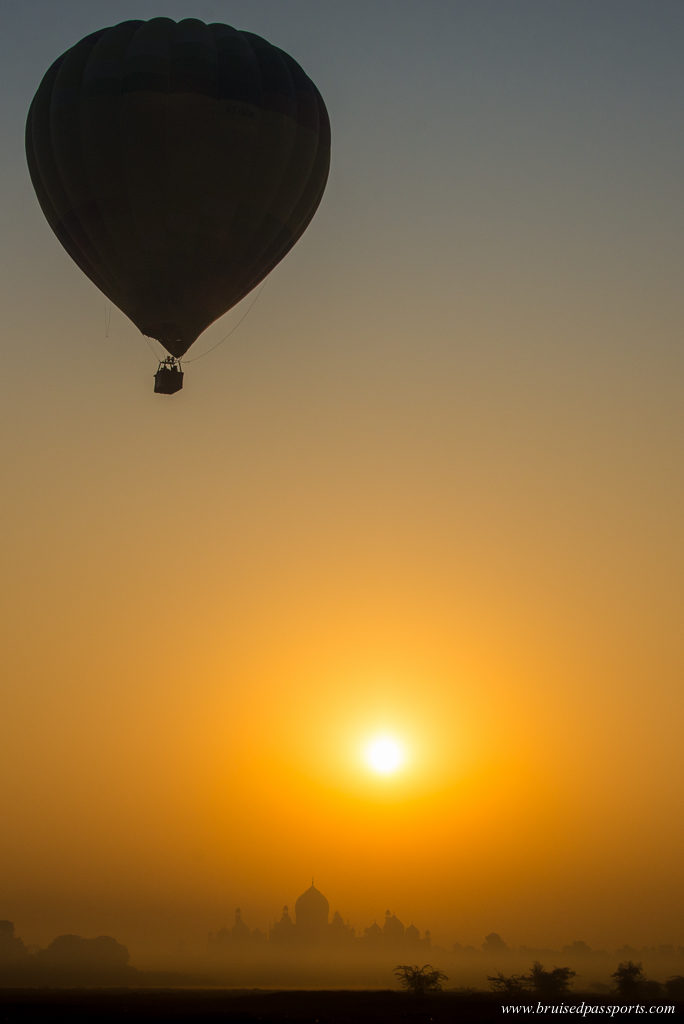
{"points": [[432, 485]]}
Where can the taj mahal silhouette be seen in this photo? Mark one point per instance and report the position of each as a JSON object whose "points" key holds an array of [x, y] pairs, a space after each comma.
{"points": [[312, 927]]}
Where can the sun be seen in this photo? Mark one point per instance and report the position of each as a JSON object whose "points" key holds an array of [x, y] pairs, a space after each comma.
{"points": [[384, 754]]}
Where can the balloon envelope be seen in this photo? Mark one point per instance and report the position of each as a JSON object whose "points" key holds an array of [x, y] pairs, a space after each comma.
{"points": [[177, 163]]}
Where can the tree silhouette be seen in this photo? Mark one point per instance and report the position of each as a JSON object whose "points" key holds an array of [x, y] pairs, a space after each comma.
{"points": [[12, 949], [629, 978], [549, 983], [675, 988], [420, 980], [493, 943]]}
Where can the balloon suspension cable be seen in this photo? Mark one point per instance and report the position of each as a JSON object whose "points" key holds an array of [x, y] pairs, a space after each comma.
{"points": [[232, 330], [155, 352]]}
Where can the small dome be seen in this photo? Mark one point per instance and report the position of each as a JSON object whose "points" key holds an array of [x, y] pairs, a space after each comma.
{"points": [[374, 934]]}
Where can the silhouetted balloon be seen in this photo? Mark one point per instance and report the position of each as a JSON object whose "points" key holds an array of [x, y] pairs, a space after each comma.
{"points": [[177, 163]]}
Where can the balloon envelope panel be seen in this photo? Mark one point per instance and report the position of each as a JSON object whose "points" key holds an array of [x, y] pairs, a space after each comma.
{"points": [[177, 163]]}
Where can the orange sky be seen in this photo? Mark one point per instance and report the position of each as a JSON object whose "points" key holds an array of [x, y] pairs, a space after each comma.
{"points": [[432, 486]]}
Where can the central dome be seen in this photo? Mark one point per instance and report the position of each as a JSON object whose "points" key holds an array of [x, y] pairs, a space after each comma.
{"points": [[311, 910]]}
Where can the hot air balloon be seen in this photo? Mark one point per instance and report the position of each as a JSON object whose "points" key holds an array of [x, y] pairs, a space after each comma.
{"points": [[177, 163]]}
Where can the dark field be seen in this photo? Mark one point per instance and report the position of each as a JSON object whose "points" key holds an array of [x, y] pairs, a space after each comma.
{"points": [[251, 1007], [101, 1006]]}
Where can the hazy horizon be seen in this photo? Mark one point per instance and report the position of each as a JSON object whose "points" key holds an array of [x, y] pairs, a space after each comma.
{"points": [[194, 947], [431, 489], [299, 952]]}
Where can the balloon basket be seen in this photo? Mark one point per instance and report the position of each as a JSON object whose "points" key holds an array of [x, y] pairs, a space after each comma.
{"points": [[169, 377]]}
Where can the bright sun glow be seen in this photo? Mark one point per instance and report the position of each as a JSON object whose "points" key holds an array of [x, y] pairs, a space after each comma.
{"points": [[384, 754]]}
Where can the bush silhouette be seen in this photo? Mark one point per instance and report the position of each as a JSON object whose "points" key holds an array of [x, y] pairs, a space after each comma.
{"points": [[513, 985], [549, 983], [541, 982], [420, 980]]}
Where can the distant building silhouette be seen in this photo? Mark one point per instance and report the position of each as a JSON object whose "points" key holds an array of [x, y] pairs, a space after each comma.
{"points": [[312, 928], [340, 934], [373, 936], [239, 932], [282, 932]]}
